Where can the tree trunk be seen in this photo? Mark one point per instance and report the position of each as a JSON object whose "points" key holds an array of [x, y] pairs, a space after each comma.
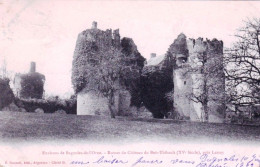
{"points": [[205, 114], [111, 105], [205, 98]]}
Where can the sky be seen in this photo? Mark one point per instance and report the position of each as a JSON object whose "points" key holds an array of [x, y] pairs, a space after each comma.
{"points": [[45, 31]]}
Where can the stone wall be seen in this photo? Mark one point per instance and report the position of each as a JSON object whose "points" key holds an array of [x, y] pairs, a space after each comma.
{"points": [[93, 103]]}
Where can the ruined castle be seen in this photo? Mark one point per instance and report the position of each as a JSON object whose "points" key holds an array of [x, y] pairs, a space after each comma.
{"points": [[193, 70], [196, 69]]}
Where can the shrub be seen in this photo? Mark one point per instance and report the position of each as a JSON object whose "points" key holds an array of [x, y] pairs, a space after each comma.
{"points": [[49, 105], [6, 93]]}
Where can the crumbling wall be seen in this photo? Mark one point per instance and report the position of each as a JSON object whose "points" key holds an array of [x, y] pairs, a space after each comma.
{"points": [[198, 62], [93, 103], [182, 89]]}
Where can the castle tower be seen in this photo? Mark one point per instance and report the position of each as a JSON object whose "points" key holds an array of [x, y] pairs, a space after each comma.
{"points": [[89, 49], [198, 79], [181, 78], [33, 67]]}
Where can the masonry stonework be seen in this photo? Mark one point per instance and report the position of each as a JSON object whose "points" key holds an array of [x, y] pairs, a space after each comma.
{"points": [[93, 103]]}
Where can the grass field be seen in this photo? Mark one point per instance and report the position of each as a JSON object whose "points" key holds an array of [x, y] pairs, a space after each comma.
{"points": [[15, 126]]}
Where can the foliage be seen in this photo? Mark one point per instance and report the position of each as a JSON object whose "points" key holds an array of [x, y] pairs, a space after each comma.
{"points": [[242, 65], [156, 83], [106, 67], [49, 105], [32, 85], [129, 49], [115, 72], [84, 62], [6, 94]]}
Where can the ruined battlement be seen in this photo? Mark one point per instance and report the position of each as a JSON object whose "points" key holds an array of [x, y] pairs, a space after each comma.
{"points": [[102, 38], [190, 52], [200, 46], [116, 33], [116, 38], [179, 46]]}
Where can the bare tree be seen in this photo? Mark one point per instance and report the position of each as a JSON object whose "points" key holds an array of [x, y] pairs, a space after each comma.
{"points": [[3, 69], [4, 72], [114, 73], [208, 82], [242, 63]]}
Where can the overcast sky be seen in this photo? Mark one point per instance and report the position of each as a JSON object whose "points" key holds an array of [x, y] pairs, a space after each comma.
{"points": [[45, 31]]}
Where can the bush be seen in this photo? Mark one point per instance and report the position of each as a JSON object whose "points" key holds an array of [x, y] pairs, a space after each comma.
{"points": [[6, 93], [49, 105]]}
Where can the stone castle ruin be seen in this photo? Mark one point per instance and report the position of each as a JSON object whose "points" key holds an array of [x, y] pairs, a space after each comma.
{"points": [[198, 78], [195, 80], [188, 81], [29, 85], [89, 45]]}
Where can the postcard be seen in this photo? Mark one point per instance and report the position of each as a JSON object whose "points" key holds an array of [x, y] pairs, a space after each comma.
{"points": [[129, 83]]}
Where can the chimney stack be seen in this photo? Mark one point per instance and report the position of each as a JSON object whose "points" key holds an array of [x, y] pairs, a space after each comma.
{"points": [[94, 25], [33, 67], [153, 55]]}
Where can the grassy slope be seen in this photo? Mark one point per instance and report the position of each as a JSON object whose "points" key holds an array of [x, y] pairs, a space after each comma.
{"points": [[31, 126]]}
